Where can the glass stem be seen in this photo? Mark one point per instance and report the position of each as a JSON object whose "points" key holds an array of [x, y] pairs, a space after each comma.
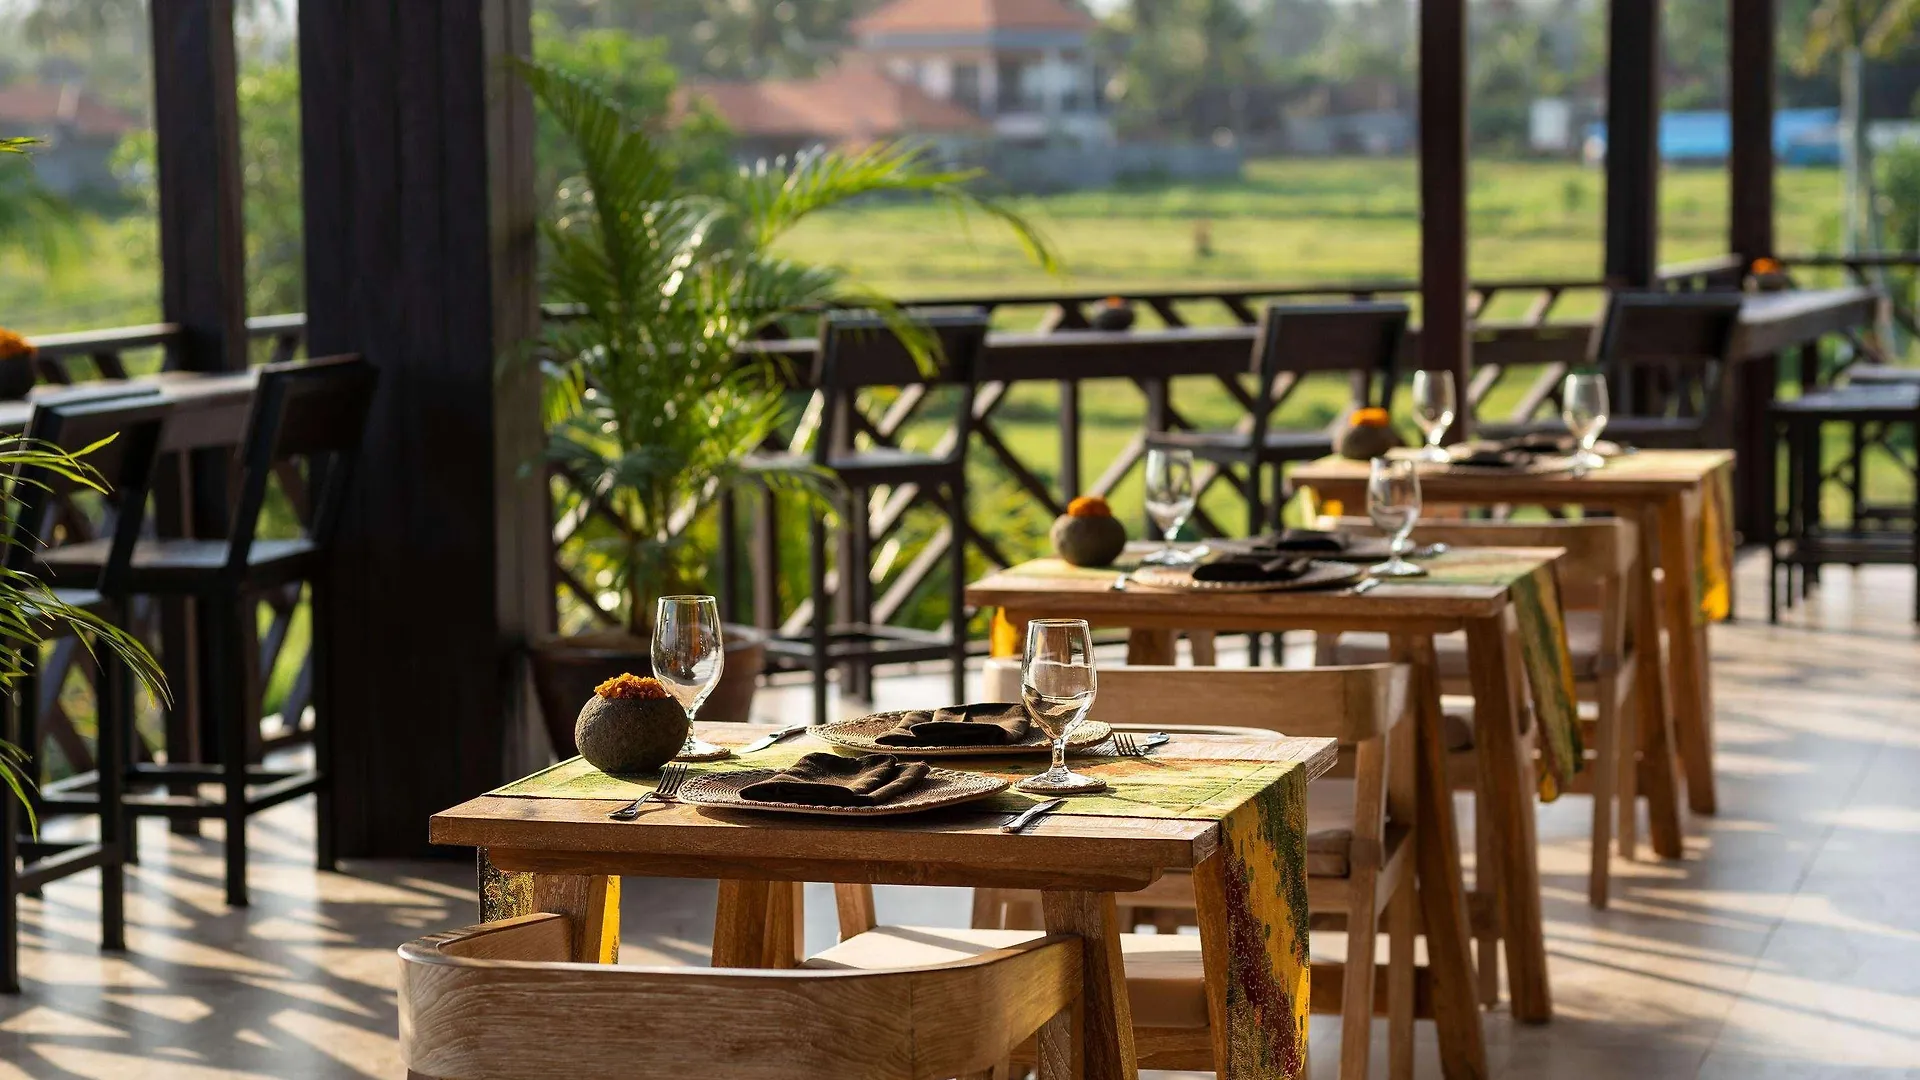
{"points": [[1398, 548], [1059, 756]]}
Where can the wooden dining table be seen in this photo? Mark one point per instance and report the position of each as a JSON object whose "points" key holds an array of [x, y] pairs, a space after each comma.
{"points": [[1681, 500], [546, 844], [1478, 592]]}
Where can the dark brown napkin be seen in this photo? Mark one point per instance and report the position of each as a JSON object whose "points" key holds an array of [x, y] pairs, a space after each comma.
{"points": [[1288, 542], [989, 723], [1540, 444], [832, 780], [1252, 567], [1493, 456]]}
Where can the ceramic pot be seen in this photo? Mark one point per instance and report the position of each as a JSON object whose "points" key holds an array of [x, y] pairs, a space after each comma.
{"points": [[1090, 540], [566, 669]]}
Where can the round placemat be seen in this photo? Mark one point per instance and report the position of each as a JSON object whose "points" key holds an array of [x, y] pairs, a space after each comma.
{"points": [[942, 787], [860, 735], [1322, 574]]}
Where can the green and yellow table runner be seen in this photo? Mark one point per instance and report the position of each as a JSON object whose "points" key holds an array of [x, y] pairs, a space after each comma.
{"points": [[1262, 810]]}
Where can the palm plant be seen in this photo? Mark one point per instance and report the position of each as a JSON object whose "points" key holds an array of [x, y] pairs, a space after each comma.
{"points": [[652, 409], [31, 613]]}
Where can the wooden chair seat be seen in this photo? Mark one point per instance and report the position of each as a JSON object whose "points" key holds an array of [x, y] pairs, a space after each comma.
{"points": [[1583, 642], [877, 466], [183, 564], [1165, 982], [1236, 446]]}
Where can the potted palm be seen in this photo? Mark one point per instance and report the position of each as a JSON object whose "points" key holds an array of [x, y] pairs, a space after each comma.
{"points": [[651, 409]]}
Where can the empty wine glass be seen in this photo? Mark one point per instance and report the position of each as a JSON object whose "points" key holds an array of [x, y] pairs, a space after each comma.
{"points": [[1583, 405], [687, 659], [1393, 502], [1057, 686], [1433, 410], [1170, 498]]}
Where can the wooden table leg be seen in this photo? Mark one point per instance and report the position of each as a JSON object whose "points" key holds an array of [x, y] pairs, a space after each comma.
{"points": [[1146, 647], [1210, 912], [590, 902], [1108, 1015], [740, 923], [1686, 644], [1657, 779], [1443, 901], [1507, 805], [786, 937]]}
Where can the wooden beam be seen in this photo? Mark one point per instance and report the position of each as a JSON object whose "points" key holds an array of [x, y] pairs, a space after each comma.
{"points": [[420, 249], [1633, 136], [1751, 27], [1443, 194]]}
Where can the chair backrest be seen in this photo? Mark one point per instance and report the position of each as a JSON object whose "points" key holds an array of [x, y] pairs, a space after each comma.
{"points": [[124, 432], [1351, 704], [1361, 338], [497, 1002], [860, 350], [1664, 353], [314, 410]]}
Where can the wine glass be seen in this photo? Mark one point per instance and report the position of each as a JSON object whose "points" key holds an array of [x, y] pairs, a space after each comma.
{"points": [[1583, 405], [1057, 685], [1393, 502], [1170, 498], [687, 658], [1433, 410]]}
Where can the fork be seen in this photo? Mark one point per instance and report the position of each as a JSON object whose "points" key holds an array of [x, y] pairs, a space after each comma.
{"points": [[671, 778], [1126, 745]]}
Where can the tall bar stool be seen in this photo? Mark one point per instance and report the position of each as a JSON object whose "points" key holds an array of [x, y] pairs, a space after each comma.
{"points": [[125, 436], [310, 414], [860, 352], [1361, 339]]}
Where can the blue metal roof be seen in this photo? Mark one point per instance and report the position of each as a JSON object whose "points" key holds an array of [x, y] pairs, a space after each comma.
{"points": [[1800, 136]]}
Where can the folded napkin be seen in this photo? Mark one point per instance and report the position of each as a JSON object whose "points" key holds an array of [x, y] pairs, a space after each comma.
{"points": [[990, 723], [1253, 567], [832, 780], [1288, 542], [1492, 456], [1539, 444]]}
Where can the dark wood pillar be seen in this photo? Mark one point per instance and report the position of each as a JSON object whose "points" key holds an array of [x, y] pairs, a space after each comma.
{"points": [[196, 120], [1443, 196], [420, 255], [1633, 142], [1750, 84], [1751, 29]]}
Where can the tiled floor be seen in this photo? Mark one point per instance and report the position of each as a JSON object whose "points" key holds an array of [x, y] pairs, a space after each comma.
{"points": [[1786, 944]]}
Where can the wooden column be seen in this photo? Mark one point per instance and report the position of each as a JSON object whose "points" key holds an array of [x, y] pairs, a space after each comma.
{"points": [[1751, 28], [1633, 136], [420, 255], [1443, 195], [196, 121]]}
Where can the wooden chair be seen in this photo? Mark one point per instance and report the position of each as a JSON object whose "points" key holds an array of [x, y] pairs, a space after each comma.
{"points": [[133, 424], [498, 1002], [1360, 339], [1360, 847], [309, 413], [1666, 357], [1596, 577], [859, 352]]}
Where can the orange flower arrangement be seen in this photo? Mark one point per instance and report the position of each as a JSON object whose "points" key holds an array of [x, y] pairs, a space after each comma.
{"points": [[14, 347], [631, 687], [1765, 265], [1370, 418], [1089, 506]]}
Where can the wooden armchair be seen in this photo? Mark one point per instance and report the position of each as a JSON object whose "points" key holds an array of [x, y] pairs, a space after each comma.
{"points": [[497, 1002], [1596, 578], [1359, 863]]}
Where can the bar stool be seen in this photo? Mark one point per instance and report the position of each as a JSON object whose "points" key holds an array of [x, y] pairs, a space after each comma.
{"points": [[1802, 539], [309, 413], [860, 352], [1361, 339], [125, 437]]}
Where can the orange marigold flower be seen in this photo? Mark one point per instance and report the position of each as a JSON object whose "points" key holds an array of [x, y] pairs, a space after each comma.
{"points": [[1370, 418], [1766, 266], [632, 687], [13, 346], [1089, 506]]}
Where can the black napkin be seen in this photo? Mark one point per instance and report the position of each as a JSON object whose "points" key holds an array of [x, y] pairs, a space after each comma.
{"points": [[1288, 542], [990, 723], [1251, 568], [1493, 456], [1539, 444], [832, 780]]}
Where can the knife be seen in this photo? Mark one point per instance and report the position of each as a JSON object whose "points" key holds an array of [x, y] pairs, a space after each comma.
{"points": [[1027, 816], [1158, 738], [771, 737]]}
